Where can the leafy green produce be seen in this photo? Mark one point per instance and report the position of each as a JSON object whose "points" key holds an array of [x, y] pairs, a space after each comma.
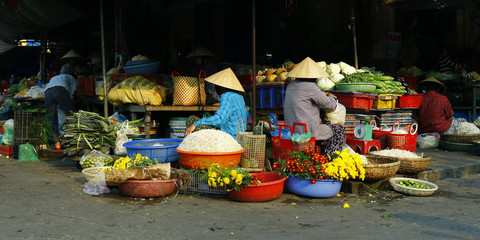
{"points": [[86, 130]]}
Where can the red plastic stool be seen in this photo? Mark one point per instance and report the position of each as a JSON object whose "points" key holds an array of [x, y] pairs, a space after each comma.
{"points": [[364, 146]]}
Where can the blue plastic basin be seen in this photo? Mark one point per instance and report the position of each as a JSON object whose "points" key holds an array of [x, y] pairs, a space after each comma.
{"points": [[163, 154], [321, 189], [135, 63], [146, 68]]}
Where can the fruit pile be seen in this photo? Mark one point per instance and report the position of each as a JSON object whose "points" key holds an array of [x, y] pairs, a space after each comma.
{"points": [[413, 184]]}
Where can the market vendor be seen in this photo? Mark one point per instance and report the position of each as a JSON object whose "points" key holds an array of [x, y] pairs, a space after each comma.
{"points": [[59, 92], [201, 56], [304, 102], [231, 110], [73, 65], [435, 113]]}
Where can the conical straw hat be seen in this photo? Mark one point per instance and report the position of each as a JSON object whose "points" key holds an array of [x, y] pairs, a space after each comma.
{"points": [[227, 79], [307, 69], [434, 80], [71, 54], [200, 52]]}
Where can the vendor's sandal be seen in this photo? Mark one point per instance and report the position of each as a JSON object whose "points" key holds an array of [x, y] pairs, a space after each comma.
{"points": [[57, 146]]}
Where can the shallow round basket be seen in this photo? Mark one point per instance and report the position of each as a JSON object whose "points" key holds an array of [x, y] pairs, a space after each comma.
{"points": [[414, 165], [413, 191], [455, 146], [160, 149], [95, 175], [356, 87], [380, 167], [148, 188], [460, 138], [202, 160]]}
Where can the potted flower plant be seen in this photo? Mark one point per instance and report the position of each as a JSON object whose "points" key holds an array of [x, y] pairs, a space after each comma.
{"points": [[244, 186], [314, 175]]}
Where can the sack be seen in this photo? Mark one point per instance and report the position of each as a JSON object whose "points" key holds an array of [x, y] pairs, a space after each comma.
{"points": [[338, 115], [96, 159], [121, 139], [428, 140], [7, 138], [153, 172], [137, 90], [27, 153], [188, 91]]}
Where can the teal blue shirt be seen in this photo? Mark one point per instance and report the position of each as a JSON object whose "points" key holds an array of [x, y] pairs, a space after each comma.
{"points": [[232, 108]]}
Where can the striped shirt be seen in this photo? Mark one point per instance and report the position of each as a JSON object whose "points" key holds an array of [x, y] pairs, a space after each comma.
{"points": [[447, 65], [232, 108]]}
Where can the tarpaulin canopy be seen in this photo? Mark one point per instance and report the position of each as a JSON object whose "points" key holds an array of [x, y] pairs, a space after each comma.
{"points": [[4, 47], [432, 4], [26, 16]]}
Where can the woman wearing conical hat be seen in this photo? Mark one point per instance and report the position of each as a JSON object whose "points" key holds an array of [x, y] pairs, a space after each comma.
{"points": [[232, 106], [304, 102], [435, 113]]}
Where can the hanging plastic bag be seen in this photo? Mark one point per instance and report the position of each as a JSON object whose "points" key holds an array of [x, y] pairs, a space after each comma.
{"points": [[428, 140], [301, 138], [337, 116], [7, 138], [95, 188], [96, 159], [27, 153], [121, 139]]}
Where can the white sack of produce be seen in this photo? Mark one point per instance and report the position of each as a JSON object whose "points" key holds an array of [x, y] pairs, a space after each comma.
{"points": [[209, 140], [137, 90], [338, 115], [428, 140], [325, 84]]}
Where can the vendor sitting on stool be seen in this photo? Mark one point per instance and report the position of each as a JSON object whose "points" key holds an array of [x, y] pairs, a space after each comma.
{"points": [[304, 101], [435, 113], [232, 106]]}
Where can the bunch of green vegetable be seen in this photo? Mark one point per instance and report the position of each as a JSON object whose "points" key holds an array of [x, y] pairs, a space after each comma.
{"points": [[86, 130], [387, 84]]}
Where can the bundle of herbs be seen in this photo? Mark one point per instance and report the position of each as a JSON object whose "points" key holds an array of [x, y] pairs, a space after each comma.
{"points": [[86, 130]]}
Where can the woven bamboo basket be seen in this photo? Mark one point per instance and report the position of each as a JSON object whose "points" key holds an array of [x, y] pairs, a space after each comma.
{"points": [[414, 165], [380, 167], [460, 138]]}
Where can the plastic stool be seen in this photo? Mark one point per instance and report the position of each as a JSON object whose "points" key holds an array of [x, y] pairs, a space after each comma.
{"points": [[364, 146]]}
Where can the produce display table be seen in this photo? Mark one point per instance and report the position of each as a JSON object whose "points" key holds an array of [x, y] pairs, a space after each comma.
{"points": [[148, 109]]}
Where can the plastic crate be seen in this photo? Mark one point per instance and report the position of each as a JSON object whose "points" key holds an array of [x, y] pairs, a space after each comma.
{"points": [[271, 96], [155, 78], [384, 102], [199, 185], [409, 101], [355, 100], [6, 150], [86, 86]]}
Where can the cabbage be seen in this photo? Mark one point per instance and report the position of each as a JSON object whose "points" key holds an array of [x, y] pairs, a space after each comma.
{"points": [[332, 68], [322, 64], [325, 84], [349, 70], [343, 65], [336, 77]]}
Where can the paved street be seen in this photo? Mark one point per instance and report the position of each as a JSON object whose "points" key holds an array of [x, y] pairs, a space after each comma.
{"points": [[44, 200]]}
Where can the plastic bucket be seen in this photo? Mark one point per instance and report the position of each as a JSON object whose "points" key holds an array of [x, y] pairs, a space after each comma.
{"points": [[177, 127]]}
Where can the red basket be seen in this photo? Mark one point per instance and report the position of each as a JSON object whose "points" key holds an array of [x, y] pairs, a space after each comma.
{"points": [[282, 147], [6, 150], [409, 101], [355, 100], [404, 141]]}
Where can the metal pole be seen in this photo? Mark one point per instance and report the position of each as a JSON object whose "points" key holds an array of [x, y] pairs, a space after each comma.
{"points": [[105, 101], [43, 57], [254, 66], [354, 36]]}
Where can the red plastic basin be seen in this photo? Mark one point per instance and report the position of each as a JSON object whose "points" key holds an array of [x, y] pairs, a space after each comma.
{"points": [[148, 188], [271, 187]]}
